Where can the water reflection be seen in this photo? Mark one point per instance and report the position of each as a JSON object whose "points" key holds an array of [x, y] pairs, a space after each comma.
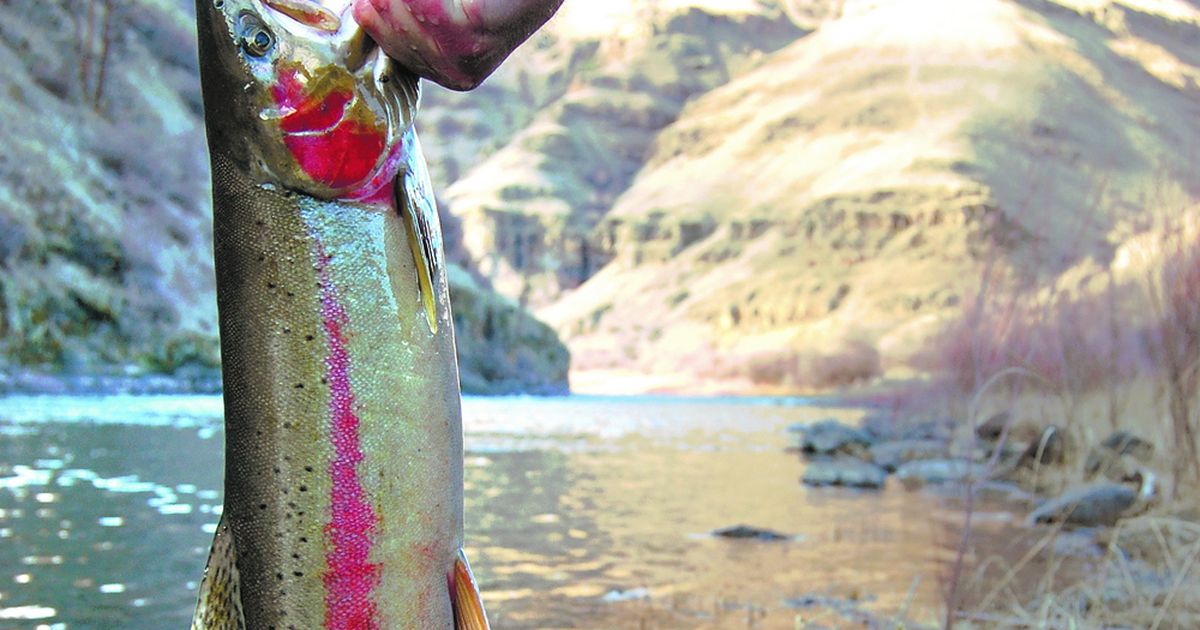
{"points": [[581, 513], [104, 524]]}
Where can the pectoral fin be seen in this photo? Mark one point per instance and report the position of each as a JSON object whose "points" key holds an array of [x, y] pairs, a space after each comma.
{"points": [[415, 202], [468, 607], [220, 604]]}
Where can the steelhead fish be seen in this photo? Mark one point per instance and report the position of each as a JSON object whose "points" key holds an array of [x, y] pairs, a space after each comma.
{"points": [[343, 468]]}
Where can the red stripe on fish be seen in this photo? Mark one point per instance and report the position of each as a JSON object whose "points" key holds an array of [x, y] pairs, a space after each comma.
{"points": [[350, 578]]}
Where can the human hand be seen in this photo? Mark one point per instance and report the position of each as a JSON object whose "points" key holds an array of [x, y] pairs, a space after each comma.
{"points": [[456, 43]]}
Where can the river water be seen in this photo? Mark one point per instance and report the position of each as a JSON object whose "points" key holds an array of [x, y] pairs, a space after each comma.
{"points": [[582, 512]]}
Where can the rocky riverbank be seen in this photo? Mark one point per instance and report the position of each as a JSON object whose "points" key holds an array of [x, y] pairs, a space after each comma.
{"points": [[1104, 536], [1020, 460]]}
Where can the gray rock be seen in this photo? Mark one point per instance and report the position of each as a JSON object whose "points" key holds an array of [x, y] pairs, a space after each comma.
{"points": [[1088, 506], [883, 427], [1126, 443], [747, 531], [846, 472], [1110, 465], [915, 474], [828, 437], [1049, 448], [989, 430], [1118, 457], [891, 455], [1023, 431]]}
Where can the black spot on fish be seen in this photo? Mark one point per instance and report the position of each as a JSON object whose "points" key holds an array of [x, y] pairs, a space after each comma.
{"points": [[303, 488], [298, 573], [287, 331], [270, 285], [308, 469], [279, 576], [303, 539], [308, 337], [299, 385], [262, 506]]}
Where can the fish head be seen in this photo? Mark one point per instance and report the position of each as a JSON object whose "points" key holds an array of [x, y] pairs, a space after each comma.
{"points": [[300, 97]]}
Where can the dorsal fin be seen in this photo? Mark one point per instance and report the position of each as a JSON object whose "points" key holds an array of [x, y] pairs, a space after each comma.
{"points": [[416, 205], [219, 606]]}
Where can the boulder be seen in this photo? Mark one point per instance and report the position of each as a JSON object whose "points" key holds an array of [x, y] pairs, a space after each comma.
{"points": [[851, 473], [829, 437], [1105, 464], [883, 427], [1095, 505], [1049, 448], [917, 473], [891, 455], [747, 531], [989, 430], [1118, 457], [1126, 443], [1023, 431]]}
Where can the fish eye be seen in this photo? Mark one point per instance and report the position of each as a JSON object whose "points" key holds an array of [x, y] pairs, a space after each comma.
{"points": [[254, 37]]}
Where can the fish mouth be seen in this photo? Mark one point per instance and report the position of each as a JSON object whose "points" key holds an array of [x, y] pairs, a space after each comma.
{"points": [[308, 13]]}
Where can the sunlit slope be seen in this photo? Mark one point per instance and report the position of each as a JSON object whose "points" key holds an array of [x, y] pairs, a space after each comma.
{"points": [[545, 148], [842, 199]]}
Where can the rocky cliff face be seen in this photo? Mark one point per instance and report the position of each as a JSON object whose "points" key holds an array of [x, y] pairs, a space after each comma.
{"points": [[595, 87], [105, 224], [752, 191], [817, 207]]}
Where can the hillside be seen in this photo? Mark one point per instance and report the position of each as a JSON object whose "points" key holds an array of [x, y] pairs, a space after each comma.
{"points": [[825, 209], [695, 194], [587, 96], [105, 218]]}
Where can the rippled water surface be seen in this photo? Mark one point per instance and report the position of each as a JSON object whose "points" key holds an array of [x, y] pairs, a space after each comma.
{"points": [[581, 513]]}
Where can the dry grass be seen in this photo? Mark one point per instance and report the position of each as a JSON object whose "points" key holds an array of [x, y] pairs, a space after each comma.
{"points": [[1146, 577], [1118, 351]]}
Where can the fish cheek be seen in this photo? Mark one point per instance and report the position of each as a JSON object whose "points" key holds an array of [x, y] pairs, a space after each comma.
{"points": [[340, 159]]}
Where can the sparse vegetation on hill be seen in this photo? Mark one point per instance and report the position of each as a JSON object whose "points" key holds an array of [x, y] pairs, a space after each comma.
{"points": [[105, 225], [836, 195]]}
